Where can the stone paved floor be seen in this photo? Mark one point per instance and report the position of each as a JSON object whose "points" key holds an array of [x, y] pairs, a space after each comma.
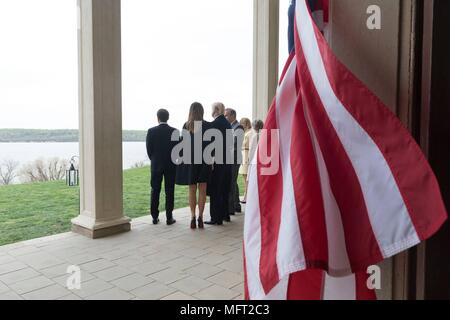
{"points": [[148, 263]]}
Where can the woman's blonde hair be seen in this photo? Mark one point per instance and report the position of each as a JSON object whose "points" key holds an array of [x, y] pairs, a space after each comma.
{"points": [[246, 123], [196, 113]]}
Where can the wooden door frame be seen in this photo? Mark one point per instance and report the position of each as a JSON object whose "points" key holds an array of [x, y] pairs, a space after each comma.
{"points": [[432, 259]]}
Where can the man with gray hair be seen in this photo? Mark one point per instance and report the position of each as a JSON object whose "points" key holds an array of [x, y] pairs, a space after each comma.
{"points": [[234, 203], [219, 185]]}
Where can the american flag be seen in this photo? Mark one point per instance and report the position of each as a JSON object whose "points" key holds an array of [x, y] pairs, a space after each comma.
{"points": [[353, 188]]}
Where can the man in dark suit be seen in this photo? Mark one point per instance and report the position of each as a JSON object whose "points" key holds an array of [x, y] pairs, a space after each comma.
{"points": [[234, 204], [219, 186], [159, 150]]}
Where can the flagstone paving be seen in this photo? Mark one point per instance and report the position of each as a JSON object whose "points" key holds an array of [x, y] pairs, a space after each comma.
{"points": [[148, 263]]}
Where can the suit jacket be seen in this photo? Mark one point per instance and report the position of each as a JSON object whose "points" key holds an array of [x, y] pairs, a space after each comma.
{"points": [[220, 178], [160, 146], [238, 131], [222, 124]]}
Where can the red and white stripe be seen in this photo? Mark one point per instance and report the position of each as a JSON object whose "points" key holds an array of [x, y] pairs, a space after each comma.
{"points": [[353, 187]]}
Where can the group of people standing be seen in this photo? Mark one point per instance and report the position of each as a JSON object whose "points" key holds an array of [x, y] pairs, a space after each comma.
{"points": [[231, 144]]}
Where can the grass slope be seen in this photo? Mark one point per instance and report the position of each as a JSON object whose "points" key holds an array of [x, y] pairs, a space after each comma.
{"points": [[36, 210]]}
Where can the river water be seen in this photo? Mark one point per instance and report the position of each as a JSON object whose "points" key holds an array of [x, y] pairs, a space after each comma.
{"points": [[133, 152]]}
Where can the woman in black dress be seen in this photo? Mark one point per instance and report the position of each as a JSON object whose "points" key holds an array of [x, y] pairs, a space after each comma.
{"points": [[193, 171]]}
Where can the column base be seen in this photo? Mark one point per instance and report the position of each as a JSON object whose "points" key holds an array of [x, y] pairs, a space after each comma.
{"points": [[100, 230]]}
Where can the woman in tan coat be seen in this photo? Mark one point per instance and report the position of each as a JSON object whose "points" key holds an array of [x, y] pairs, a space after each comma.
{"points": [[247, 125], [258, 125]]}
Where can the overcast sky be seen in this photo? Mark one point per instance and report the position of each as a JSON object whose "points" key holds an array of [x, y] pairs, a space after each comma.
{"points": [[174, 53]]}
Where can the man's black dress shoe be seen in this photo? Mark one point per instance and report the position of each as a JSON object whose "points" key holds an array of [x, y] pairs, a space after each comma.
{"points": [[171, 222], [155, 221], [210, 223]]}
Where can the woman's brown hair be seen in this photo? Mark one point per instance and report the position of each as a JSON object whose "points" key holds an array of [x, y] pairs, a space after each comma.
{"points": [[196, 113]]}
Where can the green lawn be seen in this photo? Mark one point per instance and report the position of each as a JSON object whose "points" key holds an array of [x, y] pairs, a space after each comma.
{"points": [[41, 209]]}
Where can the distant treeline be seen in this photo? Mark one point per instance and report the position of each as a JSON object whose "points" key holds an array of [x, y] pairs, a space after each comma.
{"points": [[37, 135]]}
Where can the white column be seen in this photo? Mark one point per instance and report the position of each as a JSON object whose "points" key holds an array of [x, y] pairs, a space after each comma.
{"points": [[101, 183], [265, 55]]}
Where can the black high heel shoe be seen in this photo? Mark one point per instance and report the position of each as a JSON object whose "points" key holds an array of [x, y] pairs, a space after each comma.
{"points": [[193, 224], [201, 224]]}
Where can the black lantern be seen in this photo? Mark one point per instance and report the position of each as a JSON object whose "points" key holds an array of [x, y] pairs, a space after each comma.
{"points": [[72, 175]]}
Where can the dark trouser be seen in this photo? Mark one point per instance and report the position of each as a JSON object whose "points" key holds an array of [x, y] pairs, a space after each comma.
{"points": [[234, 204], [169, 184], [219, 190]]}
